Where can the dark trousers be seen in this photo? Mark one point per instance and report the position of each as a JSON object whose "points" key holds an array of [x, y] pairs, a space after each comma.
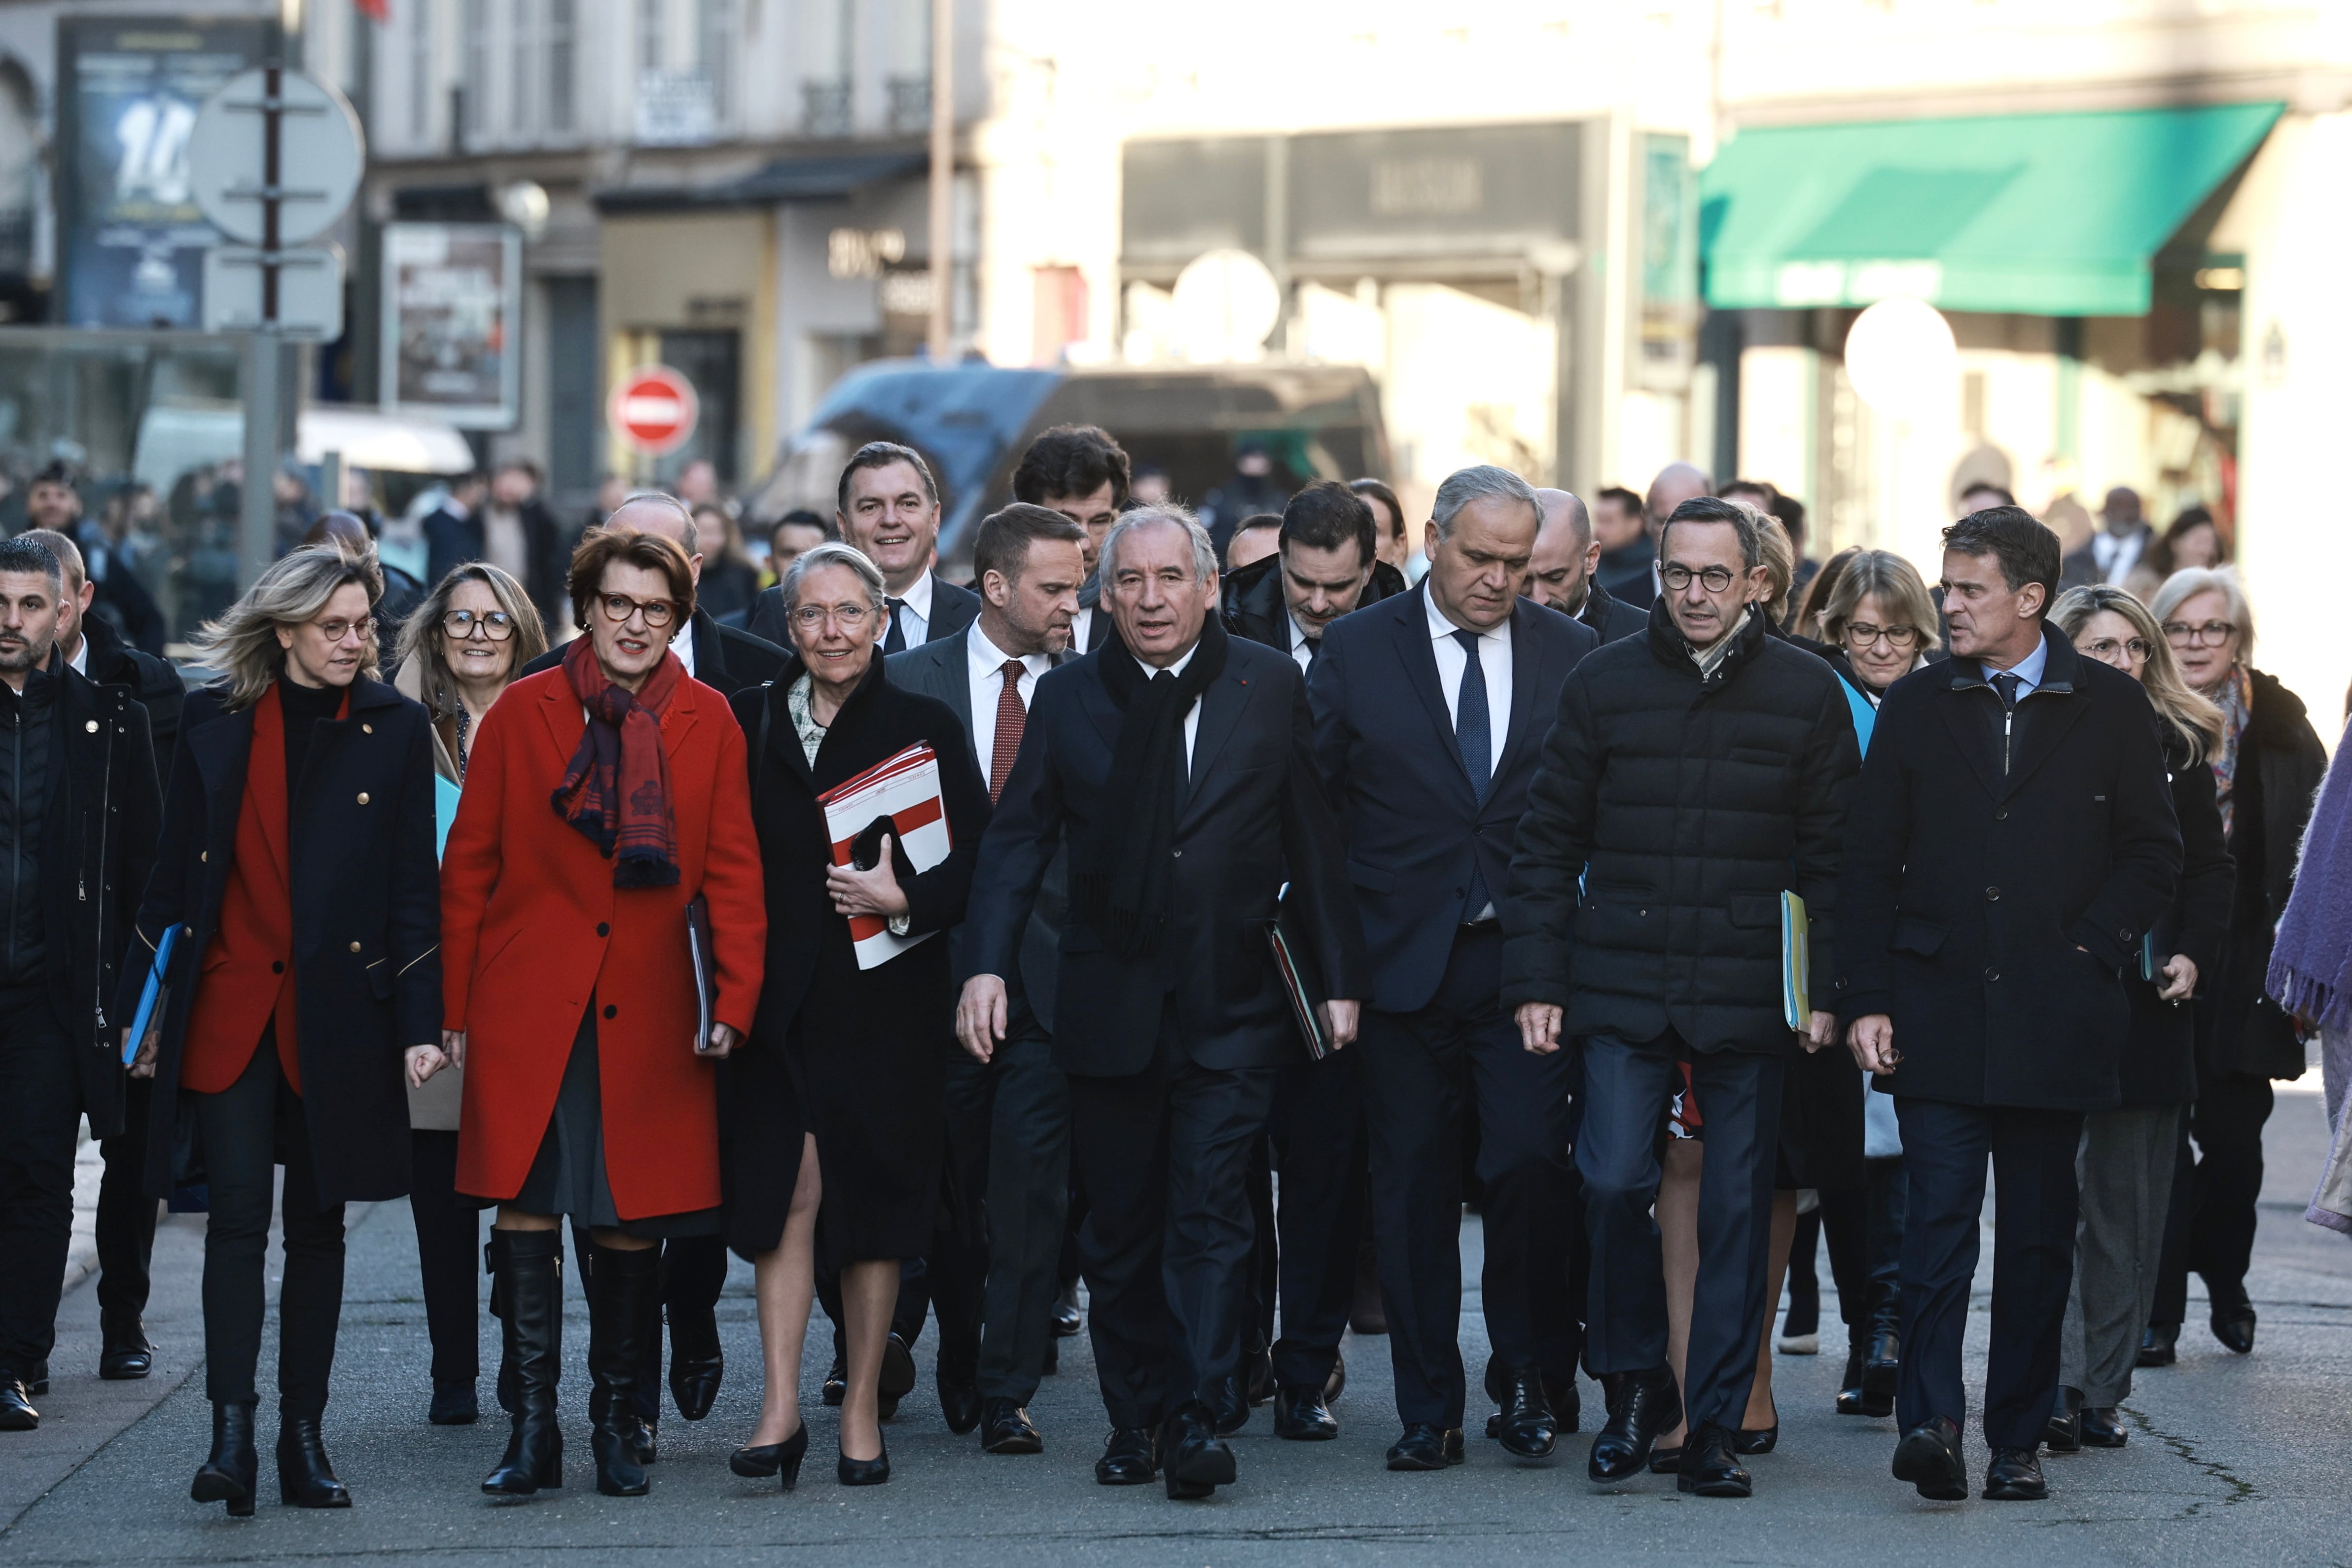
{"points": [[126, 1216], [1028, 1207], [40, 1116], [1944, 1151], [1628, 1088], [246, 1130], [1163, 1154], [1317, 1137], [448, 1255], [1864, 1228], [956, 1262], [2215, 1187], [1426, 1075]]}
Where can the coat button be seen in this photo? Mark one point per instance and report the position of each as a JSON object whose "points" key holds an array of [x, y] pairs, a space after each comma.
{"points": [[1993, 974], [1175, 854], [603, 929], [276, 967], [2001, 815], [355, 947], [1992, 895], [204, 853], [611, 1011], [92, 726], [2125, 935], [362, 797], [367, 729]]}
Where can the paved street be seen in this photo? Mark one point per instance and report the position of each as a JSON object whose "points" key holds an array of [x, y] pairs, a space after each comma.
{"points": [[2233, 1459]]}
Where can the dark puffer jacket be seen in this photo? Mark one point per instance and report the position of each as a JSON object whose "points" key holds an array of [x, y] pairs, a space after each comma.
{"points": [[1687, 806]]}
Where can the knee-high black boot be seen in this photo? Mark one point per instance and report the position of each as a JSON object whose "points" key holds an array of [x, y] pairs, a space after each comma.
{"points": [[624, 1316], [530, 1268]]}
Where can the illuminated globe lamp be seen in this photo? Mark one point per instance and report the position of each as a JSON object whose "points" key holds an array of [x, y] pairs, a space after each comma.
{"points": [[1901, 358]]}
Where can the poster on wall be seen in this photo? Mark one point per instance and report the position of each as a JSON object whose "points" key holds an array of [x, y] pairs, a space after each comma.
{"points": [[131, 241], [452, 322]]}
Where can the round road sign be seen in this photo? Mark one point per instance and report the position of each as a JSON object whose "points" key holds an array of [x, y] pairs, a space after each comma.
{"points": [[655, 409], [320, 155]]}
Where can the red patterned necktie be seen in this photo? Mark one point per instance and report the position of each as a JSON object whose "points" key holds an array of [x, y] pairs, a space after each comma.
{"points": [[1012, 718]]}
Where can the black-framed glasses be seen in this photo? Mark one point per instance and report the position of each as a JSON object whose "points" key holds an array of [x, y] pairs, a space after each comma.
{"points": [[1678, 577], [619, 607], [336, 631], [2212, 634], [2105, 648], [1862, 633], [495, 625]]}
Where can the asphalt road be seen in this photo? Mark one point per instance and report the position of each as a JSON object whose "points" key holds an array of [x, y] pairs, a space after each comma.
{"points": [[2233, 1459]]}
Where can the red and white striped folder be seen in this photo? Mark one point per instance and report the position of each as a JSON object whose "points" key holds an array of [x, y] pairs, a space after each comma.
{"points": [[906, 789]]}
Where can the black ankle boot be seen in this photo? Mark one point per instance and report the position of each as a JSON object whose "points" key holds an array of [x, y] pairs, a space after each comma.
{"points": [[529, 1266], [230, 1473], [624, 1316], [304, 1478]]}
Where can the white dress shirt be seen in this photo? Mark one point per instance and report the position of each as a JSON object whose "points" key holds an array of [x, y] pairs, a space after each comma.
{"points": [[1493, 663], [682, 644], [2116, 553], [915, 612], [79, 662], [1191, 714], [1302, 646], [984, 663], [1081, 624]]}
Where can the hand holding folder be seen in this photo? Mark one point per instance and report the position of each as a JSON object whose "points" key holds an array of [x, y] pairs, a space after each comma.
{"points": [[154, 1001]]}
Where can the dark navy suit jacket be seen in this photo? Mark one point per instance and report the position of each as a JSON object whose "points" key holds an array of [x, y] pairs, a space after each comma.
{"points": [[1384, 742]]}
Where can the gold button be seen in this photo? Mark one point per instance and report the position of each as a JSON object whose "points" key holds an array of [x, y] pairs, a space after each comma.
{"points": [[204, 853], [367, 729], [92, 726], [362, 797], [355, 947]]}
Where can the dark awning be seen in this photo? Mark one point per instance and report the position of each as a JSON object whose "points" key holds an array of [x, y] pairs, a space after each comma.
{"points": [[824, 176]]}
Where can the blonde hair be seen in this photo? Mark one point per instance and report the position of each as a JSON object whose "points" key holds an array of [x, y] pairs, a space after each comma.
{"points": [[242, 642], [2190, 581], [420, 635], [2191, 716], [1894, 581]]}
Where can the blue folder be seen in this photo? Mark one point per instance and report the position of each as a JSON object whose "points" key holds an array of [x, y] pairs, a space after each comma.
{"points": [[151, 996]]}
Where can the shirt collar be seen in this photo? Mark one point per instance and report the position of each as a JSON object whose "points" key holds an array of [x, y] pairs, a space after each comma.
{"points": [[2030, 668], [987, 659], [1440, 628], [1175, 668], [1300, 636], [918, 598]]}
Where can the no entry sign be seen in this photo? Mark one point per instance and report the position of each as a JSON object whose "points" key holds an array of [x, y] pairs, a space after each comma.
{"points": [[655, 409]]}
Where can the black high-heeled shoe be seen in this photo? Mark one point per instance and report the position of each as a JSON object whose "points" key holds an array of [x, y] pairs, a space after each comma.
{"points": [[304, 1478], [230, 1473], [865, 1472], [761, 1461]]}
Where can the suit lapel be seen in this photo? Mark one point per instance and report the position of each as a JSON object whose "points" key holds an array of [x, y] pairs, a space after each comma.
{"points": [[1221, 709], [1094, 698], [710, 655], [678, 718], [1526, 688], [1968, 731], [1420, 661], [2043, 717]]}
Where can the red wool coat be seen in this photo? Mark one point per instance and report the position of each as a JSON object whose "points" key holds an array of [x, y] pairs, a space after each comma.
{"points": [[531, 926]]}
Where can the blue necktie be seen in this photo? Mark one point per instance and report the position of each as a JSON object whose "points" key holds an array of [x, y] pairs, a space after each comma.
{"points": [[1472, 729], [895, 642], [2006, 682]]}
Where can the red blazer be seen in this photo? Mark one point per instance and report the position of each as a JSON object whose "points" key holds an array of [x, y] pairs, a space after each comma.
{"points": [[530, 917]]}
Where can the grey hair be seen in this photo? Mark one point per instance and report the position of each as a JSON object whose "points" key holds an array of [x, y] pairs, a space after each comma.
{"points": [[2190, 581], [242, 643], [1477, 483], [693, 541], [834, 552], [1204, 549]]}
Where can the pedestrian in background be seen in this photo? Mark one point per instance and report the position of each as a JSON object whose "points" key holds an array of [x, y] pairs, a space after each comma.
{"points": [[297, 863]]}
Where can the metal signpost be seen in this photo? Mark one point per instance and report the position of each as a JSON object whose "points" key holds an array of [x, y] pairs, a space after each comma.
{"points": [[272, 191]]}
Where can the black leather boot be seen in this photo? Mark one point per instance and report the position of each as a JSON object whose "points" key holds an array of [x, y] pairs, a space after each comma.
{"points": [[624, 1314], [304, 1478], [230, 1473], [530, 1268]]}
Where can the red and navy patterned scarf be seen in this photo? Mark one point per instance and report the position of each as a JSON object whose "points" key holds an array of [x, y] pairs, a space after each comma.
{"points": [[617, 791]]}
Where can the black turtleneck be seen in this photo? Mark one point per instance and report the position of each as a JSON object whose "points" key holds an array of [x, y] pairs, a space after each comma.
{"points": [[302, 707], [27, 750]]}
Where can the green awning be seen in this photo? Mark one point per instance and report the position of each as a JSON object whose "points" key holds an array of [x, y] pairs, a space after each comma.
{"points": [[2044, 214]]}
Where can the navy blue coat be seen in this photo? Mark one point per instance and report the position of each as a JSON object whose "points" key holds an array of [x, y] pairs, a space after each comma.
{"points": [[1384, 742]]}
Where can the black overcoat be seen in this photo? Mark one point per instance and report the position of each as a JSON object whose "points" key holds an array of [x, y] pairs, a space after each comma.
{"points": [[2160, 1066]]}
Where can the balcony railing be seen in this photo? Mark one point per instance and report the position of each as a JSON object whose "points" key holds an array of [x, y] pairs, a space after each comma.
{"points": [[910, 104], [825, 108]]}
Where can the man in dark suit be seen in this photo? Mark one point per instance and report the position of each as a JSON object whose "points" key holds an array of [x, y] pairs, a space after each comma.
{"points": [[1628, 557], [1430, 712], [1317, 574], [1081, 472], [2013, 839], [2121, 543], [1174, 768], [1560, 576], [508, 523], [994, 1275], [888, 506], [453, 533]]}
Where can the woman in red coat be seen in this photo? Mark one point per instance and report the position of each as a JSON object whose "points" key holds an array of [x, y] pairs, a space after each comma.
{"points": [[602, 798]]}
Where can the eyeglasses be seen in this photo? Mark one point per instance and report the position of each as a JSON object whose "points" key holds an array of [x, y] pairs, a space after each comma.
{"points": [[496, 624], [619, 607], [336, 631], [848, 618], [1716, 578], [2105, 648], [2213, 633], [1862, 633]]}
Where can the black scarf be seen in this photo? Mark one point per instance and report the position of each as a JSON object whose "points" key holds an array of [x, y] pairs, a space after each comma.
{"points": [[1121, 881]]}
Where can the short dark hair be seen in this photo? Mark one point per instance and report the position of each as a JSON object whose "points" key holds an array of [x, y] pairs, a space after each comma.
{"points": [[603, 547], [1791, 513], [881, 454], [1004, 538], [1252, 522], [1625, 501], [802, 517], [2027, 551], [538, 475], [1989, 488], [1374, 490], [1763, 488], [1072, 461], [1327, 514], [1746, 519], [59, 472], [24, 554]]}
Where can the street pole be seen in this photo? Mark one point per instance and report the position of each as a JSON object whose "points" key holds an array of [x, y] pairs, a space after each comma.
{"points": [[257, 533], [943, 179]]}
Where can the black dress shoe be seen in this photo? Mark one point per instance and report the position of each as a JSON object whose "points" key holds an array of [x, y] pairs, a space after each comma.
{"points": [[1665, 1461], [454, 1404], [865, 1472], [2103, 1428], [231, 1471], [1647, 1404], [698, 1363], [1232, 1410], [1427, 1447], [126, 1355], [1524, 1425], [1851, 1391], [17, 1412], [1300, 1415], [2062, 1434], [2014, 1476], [959, 1403], [2156, 1346], [1005, 1428], [304, 1478], [898, 1382], [1756, 1439], [1068, 1321], [767, 1459], [1882, 1368], [2233, 1320], [1131, 1456], [1710, 1467], [1195, 1458], [1928, 1456], [836, 1381]]}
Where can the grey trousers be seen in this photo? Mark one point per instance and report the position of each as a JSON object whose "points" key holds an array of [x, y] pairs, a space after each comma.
{"points": [[2123, 1168]]}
